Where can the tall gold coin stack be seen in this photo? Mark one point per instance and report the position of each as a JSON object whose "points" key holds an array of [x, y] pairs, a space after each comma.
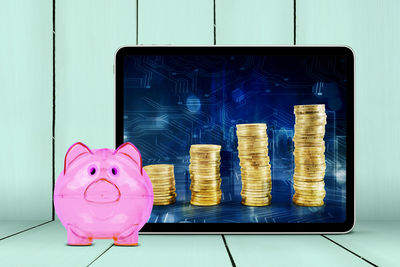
{"points": [[163, 179], [204, 174], [254, 162], [309, 155]]}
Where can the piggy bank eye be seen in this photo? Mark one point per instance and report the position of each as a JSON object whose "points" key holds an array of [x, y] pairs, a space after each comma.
{"points": [[114, 171], [92, 170]]}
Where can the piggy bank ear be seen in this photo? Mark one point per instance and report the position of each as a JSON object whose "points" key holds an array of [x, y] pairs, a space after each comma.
{"points": [[75, 151], [129, 150]]}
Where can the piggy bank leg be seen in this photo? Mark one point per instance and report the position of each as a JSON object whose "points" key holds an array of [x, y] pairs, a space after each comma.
{"points": [[75, 239], [128, 238]]}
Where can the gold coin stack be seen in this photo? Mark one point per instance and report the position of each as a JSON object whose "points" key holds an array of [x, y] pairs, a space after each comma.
{"points": [[204, 174], [163, 180], [309, 155], [254, 162]]}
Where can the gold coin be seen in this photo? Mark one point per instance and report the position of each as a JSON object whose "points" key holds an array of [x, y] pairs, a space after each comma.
{"points": [[205, 147], [212, 194], [311, 175], [210, 171], [311, 168], [255, 179], [318, 149], [205, 199], [262, 151], [311, 118], [312, 107], [164, 190], [306, 132], [252, 145], [256, 201], [246, 187], [255, 175], [310, 111], [158, 176], [204, 203], [163, 203], [170, 188], [256, 204], [159, 167], [205, 159], [213, 171], [198, 188], [307, 178], [300, 187], [305, 123], [165, 198], [204, 164], [251, 165], [309, 161], [309, 204], [247, 140], [214, 191], [205, 185], [258, 161], [304, 198], [256, 170], [254, 154], [309, 154], [159, 195], [308, 138], [317, 146], [251, 125], [197, 162], [307, 199], [161, 176], [254, 193], [311, 194], [162, 179]]}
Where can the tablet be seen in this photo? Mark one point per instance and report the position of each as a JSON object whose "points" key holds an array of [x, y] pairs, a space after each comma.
{"points": [[241, 139]]}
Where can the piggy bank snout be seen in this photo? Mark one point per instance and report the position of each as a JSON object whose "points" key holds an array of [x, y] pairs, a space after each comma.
{"points": [[102, 191]]}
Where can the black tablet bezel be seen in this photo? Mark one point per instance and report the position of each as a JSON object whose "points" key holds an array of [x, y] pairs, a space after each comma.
{"points": [[249, 228]]}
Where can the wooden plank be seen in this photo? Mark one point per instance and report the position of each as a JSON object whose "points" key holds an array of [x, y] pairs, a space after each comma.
{"points": [[88, 35], [254, 22], [46, 246], [288, 250], [376, 241], [370, 28], [176, 22], [26, 110], [165, 250]]}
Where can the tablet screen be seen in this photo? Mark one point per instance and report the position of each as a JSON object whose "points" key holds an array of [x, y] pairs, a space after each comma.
{"points": [[273, 129]]}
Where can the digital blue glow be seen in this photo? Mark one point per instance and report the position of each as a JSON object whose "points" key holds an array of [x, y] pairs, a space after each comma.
{"points": [[193, 103]]}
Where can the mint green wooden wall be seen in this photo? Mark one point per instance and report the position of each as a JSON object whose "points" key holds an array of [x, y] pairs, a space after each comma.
{"points": [[372, 29], [88, 32], [25, 110]]}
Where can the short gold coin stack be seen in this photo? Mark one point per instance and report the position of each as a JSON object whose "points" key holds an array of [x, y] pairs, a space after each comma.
{"points": [[204, 174], [254, 162], [309, 155], [163, 180]]}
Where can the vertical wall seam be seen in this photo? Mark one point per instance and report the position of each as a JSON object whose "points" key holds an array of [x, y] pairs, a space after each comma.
{"points": [[137, 22], [215, 24], [54, 111], [294, 22]]}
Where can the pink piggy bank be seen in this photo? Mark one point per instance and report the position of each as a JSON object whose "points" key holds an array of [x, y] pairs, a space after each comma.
{"points": [[103, 194]]}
